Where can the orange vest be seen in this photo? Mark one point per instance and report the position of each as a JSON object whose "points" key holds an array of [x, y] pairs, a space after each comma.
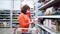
{"points": [[24, 22]]}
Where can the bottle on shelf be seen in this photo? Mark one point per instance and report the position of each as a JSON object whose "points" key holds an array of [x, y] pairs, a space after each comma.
{"points": [[4, 24], [7, 25]]}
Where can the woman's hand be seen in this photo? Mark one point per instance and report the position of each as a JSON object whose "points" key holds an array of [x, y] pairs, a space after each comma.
{"points": [[32, 21]]}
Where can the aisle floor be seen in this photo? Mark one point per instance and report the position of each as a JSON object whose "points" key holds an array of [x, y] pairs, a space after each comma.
{"points": [[6, 31]]}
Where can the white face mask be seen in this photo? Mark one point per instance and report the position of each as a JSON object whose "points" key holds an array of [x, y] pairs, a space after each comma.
{"points": [[27, 11]]}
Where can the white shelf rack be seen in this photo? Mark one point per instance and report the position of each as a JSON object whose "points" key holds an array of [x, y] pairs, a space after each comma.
{"points": [[48, 4], [4, 19], [15, 19], [15, 22], [3, 22], [15, 14], [52, 16], [4, 14], [50, 31], [43, 7]]}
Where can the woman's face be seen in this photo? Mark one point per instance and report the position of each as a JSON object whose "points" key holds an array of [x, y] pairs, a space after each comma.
{"points": [[28, 10]]}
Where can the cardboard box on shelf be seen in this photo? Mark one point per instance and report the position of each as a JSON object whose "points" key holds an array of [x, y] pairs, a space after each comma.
{"points": [[1, 25], [59, 27], [56, 27]]}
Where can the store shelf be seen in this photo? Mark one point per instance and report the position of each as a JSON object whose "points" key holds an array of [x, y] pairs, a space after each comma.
{"points": [[48, 4], [12, 22], [4, 19], [50, 31], [4, 27], [15, 19], [15, 23], [52, 16], [3, 22], [15, 14], [4, 14]]}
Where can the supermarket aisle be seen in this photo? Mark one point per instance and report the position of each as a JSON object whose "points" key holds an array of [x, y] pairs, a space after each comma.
{"points": [[5, 31]]}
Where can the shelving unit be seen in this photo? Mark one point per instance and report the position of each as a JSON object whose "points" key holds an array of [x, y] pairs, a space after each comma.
{"points": [[15, 15], [52, 16], [7, 13], [44, 7], [15, 23], [4, 18], [50, 31], [50, 3], [4, 27], [4, 14]]}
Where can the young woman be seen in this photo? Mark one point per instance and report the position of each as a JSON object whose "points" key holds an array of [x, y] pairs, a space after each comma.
{"points": [[24, 18]]}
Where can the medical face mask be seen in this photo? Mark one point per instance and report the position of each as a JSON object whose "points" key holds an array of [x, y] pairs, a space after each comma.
{"points": [[28, 11]]}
